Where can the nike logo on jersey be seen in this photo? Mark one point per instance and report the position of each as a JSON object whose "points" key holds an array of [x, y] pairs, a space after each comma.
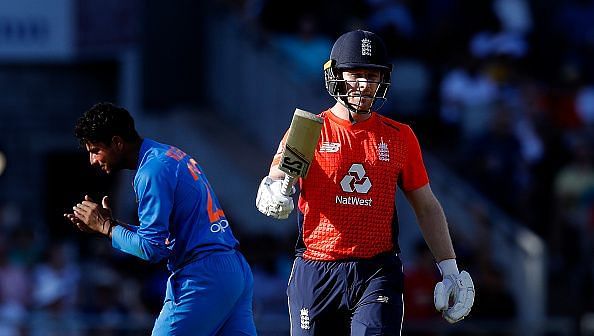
{"points": [[329, 147]]}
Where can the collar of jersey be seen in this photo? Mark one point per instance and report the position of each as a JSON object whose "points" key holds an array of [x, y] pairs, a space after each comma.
{"points": [[144, 148], [348, 124]]}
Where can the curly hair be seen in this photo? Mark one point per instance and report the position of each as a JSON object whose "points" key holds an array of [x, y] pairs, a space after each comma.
{"points": [[102, 122]]}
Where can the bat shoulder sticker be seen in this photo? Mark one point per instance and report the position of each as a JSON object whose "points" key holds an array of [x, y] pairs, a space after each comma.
{"points": [[301, 143]]}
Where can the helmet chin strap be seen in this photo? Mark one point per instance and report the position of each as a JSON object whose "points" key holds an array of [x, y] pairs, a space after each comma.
{"points": [[352, 108]]}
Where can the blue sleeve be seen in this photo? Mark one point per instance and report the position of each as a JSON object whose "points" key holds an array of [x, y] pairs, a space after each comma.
{"points": [[155, 187], [133, 228]]}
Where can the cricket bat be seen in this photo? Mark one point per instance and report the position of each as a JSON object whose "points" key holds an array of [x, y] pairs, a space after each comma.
{"points": [[301, 143]]}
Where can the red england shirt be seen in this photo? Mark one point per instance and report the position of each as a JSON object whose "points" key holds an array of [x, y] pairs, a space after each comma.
{"points": [[348, 199]]}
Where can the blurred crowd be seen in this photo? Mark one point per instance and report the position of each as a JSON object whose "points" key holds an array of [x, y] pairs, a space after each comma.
{"points": [[69, 283], [47, 288]]}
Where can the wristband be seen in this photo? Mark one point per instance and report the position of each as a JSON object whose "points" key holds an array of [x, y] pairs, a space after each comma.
{"points": [[108, 233], [448, 267]]}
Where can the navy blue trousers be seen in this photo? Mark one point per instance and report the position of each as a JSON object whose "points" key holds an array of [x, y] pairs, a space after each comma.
{"points": [[362, 297]]}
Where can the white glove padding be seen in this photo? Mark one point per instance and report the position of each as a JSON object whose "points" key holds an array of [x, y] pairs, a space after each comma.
{"points": [[271, 202], [461, 288]]}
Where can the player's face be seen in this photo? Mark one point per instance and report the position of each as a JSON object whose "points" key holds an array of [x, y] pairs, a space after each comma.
{"points": [[361, 86], [103, 157]]}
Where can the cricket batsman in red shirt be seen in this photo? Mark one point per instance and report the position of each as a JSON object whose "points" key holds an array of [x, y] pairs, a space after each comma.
{"points": [[347, 276]]}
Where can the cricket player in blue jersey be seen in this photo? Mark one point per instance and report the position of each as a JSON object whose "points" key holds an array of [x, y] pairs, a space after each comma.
{"points": [[210, 289]]}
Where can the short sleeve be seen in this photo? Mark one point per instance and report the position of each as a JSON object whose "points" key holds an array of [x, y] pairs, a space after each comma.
{"points": [[413, 174]]}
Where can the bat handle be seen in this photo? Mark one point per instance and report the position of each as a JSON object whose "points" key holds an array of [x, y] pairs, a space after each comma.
{"points": [[287, 185]]}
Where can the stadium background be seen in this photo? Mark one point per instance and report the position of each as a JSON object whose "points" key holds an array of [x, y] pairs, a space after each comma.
{"points": [[500, 93]]}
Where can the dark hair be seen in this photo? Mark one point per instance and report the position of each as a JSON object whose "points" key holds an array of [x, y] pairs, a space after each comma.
{"points": [[102, 122]]}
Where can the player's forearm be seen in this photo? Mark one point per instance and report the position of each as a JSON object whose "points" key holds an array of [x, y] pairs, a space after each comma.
{"points": [[432, 222], [434, 228]]}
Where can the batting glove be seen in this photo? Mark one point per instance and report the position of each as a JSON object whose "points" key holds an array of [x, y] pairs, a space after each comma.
{"points": [[455, 285], [271, 202]]}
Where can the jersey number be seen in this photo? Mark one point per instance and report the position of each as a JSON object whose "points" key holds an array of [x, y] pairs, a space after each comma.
{"points": [[214, 213]]}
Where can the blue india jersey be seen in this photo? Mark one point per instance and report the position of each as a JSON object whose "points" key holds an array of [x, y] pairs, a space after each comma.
{"points": [[180, 216]]}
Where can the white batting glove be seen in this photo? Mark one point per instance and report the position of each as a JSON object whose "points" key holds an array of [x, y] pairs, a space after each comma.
{"points": [[271, 202], [457, 285]]}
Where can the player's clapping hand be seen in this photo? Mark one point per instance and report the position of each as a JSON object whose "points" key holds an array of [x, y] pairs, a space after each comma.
{"points": [[89, 216], [271, 202], [458, 287]]}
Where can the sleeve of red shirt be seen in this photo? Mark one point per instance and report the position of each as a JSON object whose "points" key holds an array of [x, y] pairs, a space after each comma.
{"points": [[413, 174]]}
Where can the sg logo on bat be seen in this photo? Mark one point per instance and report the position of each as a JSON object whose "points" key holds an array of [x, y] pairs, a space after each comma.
{"points": [[293, 164]]}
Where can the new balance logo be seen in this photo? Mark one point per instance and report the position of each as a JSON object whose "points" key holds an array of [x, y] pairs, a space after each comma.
{"points": [[383, 299], [329, 147], [355, 180]]}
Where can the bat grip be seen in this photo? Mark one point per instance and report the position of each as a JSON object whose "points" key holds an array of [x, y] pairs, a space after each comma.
{"points": [[287, 185]]}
